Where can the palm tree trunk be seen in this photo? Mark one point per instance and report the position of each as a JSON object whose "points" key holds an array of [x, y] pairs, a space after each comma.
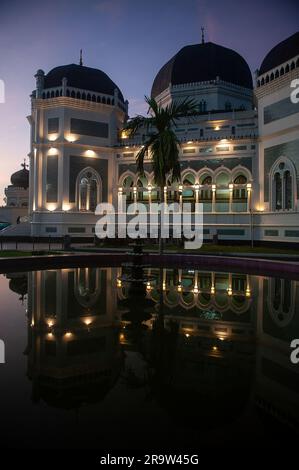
{"points": [[160, 222]]}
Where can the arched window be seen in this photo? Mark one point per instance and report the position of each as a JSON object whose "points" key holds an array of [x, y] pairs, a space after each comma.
{"points": [[142, 189], [283, 185], [202, 106], [278, 191], [73, 95], [89, 190], [188, 191], [287, 190], [239, 200], [78, 95], [128, 186], [57, 93], [222, 192], [93, 98], [277, 74], [287, 69]]}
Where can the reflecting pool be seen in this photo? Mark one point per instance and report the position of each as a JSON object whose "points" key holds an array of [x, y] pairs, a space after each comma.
{"points": [[184, 358]]}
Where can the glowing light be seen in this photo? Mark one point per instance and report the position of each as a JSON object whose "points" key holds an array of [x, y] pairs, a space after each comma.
{"points": [[50, 323], [68, 334], [231, 186], [124, 134], [89, 153], [217, 128], [221, 338], [196, 187], [248, 186], [65, 207], [148, 285], [164, 286], [190, 142], [180, 187], [135, 189], [50, 334], [247, 292], [212, 290], [229, 291], [122, 337], [87, 321], [71, 138], [215, 348], [179, 288], [52, 151], [51, 207], [187, 335], [149, 188], [195, 290], [53, 137], [118, 283], [223, 141], [214, 187]]}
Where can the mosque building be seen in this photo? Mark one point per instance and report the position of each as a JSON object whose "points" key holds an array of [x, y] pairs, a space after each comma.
{"points": [[239, 157], [16, 199]]}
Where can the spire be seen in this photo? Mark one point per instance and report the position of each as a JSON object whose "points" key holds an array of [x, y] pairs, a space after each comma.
{"points": [[202, 35], [24, 165], [81, 59]]}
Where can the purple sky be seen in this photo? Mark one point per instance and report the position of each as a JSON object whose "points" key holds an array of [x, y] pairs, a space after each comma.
{"points": [[128, 39]]}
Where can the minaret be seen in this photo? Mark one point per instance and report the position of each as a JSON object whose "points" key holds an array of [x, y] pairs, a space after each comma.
{"points": [[202, 35], [81, 58], [39, 76]]}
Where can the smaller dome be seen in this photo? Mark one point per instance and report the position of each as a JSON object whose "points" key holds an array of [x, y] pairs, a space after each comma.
{"points": [[20, 179], [281, 53]]}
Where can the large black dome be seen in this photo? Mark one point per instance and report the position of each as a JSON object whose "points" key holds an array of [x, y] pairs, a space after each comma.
{"points": [[284, 51], [203, 62], [20, 179], [79, 76]]}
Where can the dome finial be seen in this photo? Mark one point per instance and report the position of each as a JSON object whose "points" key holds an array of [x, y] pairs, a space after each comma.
{"points": [[24, 165], [202, 35], [81, 58]]}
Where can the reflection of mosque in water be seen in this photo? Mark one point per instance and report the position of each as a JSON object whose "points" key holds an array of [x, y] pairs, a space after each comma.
{"points": [[220, 337]]}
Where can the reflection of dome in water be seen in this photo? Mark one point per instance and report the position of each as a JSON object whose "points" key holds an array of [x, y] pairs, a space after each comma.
{"points": [[67, 397], [19, 284]]}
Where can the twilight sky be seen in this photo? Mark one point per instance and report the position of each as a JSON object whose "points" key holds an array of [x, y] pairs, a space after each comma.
{"points": [[129, 39]]}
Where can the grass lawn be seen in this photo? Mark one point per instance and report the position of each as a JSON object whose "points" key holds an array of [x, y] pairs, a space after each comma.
{"points": [[209, 248]]}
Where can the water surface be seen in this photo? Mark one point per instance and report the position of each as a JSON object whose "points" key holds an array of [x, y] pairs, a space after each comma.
{"points": [[185, 359]]}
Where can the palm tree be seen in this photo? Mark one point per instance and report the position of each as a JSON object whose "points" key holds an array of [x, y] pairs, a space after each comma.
{"points": [[161, 143]]}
